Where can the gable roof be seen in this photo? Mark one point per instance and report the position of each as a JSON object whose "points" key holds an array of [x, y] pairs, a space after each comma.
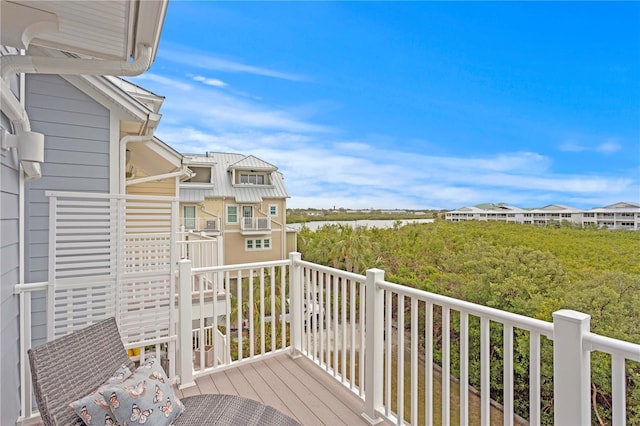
{"points": [[223, 164], [252, 163], [622, 205]]}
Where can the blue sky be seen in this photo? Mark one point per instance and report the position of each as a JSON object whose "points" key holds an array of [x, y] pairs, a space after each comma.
{"points": [[413, 105]]}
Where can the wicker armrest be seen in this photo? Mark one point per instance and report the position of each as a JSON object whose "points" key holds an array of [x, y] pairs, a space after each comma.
{"points": [[72, 366]]}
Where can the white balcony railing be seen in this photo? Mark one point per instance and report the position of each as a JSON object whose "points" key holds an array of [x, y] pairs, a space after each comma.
{"points": [[255, 224], [365, 331], [209, 225]]}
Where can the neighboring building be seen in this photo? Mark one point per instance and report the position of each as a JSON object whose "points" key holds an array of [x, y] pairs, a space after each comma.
{"points": [[61, 130], [487, 212], [241, 198], [621, 215]]}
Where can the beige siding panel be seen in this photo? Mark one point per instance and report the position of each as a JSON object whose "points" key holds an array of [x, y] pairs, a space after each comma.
{"points": [[166, 187]]}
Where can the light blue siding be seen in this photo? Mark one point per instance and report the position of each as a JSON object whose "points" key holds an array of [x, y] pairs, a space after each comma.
{"points": [[9, 276], [76, 158]]}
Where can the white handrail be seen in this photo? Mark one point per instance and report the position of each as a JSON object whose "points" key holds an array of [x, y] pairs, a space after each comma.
{"points": [[531, 324]]}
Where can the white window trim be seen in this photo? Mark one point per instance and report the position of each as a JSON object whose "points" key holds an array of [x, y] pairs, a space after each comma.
{"points": [[226, 214], [253, 244], [195, 215], [276, 207]]}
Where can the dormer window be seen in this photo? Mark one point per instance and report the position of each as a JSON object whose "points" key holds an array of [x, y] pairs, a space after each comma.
{"points": [[252, 178], [202, 175]]}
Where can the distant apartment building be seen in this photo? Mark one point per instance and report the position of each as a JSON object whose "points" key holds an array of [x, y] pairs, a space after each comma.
{"points": [[240, 198], [622, 215]]}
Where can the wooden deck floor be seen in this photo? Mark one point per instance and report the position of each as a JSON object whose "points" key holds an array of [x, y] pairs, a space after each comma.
{"points": [[298, 388]]}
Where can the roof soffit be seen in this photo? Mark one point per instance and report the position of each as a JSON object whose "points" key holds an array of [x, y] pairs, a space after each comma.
{"points": [[101, 29]]}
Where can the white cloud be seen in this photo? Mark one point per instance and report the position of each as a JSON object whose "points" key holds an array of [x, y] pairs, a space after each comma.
{"points": [[209, 61], [608, 147], [322, 173], [166, 82], [209, 81], [322, 169]]}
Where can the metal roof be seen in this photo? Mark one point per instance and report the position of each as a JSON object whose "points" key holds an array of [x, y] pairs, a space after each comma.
{"points": [[222, 164], [195, 195], [252, 163]]}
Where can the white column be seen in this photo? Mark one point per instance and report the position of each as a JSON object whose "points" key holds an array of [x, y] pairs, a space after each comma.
{"points": [[374, 346], [185, 352], [571, 368], [295, 308]]}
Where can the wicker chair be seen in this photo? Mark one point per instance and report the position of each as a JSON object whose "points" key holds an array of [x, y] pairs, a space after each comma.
{"points": [[97, 351]]}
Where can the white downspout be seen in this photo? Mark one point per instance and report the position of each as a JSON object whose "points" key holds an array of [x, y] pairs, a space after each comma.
{"points": [[123, 156], [13, 109]]}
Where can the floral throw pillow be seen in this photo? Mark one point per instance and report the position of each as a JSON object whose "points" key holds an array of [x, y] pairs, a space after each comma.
{"points": [[93, 409], [144, 397]]}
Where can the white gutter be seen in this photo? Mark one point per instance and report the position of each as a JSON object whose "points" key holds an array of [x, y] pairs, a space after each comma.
{"points": [[15, 64], [18, 64], [156, 177]]}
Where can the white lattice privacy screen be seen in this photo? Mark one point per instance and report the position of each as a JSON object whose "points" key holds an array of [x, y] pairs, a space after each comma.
{"points": [[112, 255]]}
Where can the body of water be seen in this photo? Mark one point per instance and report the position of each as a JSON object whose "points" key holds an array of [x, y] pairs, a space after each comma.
{"points": [[381, 223]]}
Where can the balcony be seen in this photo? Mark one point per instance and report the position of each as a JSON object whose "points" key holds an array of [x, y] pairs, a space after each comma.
{"points": [[255, 226], [210, 226], [323, 345], [290, 333]]}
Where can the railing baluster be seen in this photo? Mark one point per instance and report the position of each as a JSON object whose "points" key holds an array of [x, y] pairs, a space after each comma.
{"points": [[326, 280], [251, 323], [414, 361], [428, 364], [400, 332], [240, 314], [464, 368], [343, 327], [336, 316], [201, 337], [262, 303], [485, 376], [363, 308], [214, 331], [388, 342], [534, 378], [227, 324], [352, 320], [314, 312], [618, 389], [283, 306], [272, 285], [507, 332], [446, 366]]}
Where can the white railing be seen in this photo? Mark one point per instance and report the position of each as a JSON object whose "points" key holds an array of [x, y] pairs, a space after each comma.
{"points": [[388, 343], [255, 224], [332, 305], [200, 224], [252, 314], [367, 333], [203, 251]]}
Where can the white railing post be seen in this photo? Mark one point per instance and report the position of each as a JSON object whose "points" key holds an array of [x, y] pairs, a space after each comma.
{"points": [[295, 313], [185, 339], [571, 368], [374, 346]]}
